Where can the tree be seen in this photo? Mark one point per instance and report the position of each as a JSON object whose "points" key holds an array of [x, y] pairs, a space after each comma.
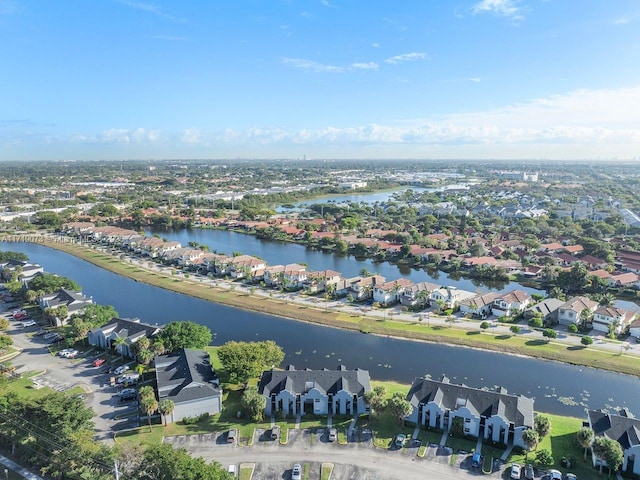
{"points": [[377, 399], [586, 340], [52, 283], [586, 316], [542, 425], [530, 438], [177, 335], [514, 329], [254, 403], [119, 343], [585, 437], [243, 360], [163, 462], [97, 315], [544, 458], [399, 407], [4, 324], [549, 333], [536, 321], [484, 325], [610, 451], [149, 405], [5, 341], [166, 408]]}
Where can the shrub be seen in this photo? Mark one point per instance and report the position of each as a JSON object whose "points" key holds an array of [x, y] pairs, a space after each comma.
{"points": [[586, 340], [573, 328], [484, 325], [515, 329]]}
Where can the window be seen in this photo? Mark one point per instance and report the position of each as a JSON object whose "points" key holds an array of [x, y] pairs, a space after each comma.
{"points": [[467, 420]]}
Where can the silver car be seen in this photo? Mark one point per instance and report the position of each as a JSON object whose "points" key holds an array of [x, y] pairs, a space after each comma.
{"points": [[296, 473]]}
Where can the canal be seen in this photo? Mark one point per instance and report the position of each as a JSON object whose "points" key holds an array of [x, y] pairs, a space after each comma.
{"points": [[558, 388]]}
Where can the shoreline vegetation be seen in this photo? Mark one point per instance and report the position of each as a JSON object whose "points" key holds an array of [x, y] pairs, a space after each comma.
{"points": [[279, 305]]}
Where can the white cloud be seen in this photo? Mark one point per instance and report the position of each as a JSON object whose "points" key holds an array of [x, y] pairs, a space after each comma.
{"points": [[375, 45], [150, 8], [502, 8], [474, 79], [311, 65], [621, 21], [365, 66], [191, 135], [124, 135], [407, 57], [326, 3]]}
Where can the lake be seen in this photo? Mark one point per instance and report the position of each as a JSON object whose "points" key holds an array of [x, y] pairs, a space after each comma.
{"points": [[558, 388]]}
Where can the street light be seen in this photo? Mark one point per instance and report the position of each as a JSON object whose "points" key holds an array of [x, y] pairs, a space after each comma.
{"points": [[6, 474]]}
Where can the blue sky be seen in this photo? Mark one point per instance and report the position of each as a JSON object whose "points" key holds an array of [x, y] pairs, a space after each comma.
{"points": [[124, 79]]}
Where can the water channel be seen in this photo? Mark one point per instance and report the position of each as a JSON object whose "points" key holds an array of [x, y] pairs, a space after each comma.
{"points": [[558, 388]]}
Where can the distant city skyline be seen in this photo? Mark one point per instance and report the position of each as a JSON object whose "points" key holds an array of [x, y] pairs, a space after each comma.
{"points": [[418, 79]]}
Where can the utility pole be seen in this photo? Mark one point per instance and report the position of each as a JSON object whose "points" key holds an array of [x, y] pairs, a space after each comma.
{"points": [[115, 469]]}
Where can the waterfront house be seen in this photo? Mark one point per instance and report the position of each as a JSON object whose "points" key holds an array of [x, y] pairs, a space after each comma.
{"points": [[188, 380], [548, 308], [623, 279], [624, 428], [450, 296], [319, 281], [25, 271], [570, 311], [479, 305], [273, 275], [612, 317], [294, 275], [363, 288], [319, 392], [511, 303], [131, 329], [245, 266], [390, 292], [495, 414], [417, 295]]}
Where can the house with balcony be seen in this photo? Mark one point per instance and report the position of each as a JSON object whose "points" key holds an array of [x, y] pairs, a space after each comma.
{"points": [[624, 428], [450, 297], [511, 303], [570, 312], [390, 292], [478, 306], [363, 288], [319, 281], [493, 414], [245, 266], [418, 295], [319, 392]]}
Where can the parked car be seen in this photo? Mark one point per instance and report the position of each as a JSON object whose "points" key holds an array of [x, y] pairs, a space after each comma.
{"points": [[296, 473], [128, 378], [333, 434], [571, 476], [28, 323], [275, 432], [232, 470], [516, 470], [127, 394], [69, 353], [529, 473], [399, 441], [476, 460], [56, 338], [121, 369], [232, 434], [98, 362], [555, 475], [64, 352]]}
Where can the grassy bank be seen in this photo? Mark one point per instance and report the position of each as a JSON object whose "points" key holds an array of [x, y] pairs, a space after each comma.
{"points": [[509, 343]]}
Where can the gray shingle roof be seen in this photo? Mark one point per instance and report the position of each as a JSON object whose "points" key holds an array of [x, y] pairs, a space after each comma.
{"points": [[129, 328], [484, 403], [623, 428], [356, 382], [185, 376]]}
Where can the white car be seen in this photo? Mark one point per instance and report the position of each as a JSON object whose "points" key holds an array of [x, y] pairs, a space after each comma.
{"points": [[121, 369], [29, 323], [296, 473], [64, 352], [516, 470], [555, 475], [69, 353]]}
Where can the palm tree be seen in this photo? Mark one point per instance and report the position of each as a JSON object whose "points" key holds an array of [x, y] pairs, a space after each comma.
{"points": [[607, 299], [149, 405], [586, 316], [530, 438], [119, 342], [166, 408], [585, 437]]}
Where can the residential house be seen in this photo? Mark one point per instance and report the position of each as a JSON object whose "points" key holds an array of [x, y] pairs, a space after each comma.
{"points": [[450, 297], [511, 303], [319, 281], [245, 266], [74, 301], [570, 311], [417, 295], [594, 262], [294, 275], [390, 292], [188, 380], [318, 392], [129, 329], [478, 306], [624, 428], [498, 416], [623, 279], [628, 260], [363, 288], [273, 275], [25, 270], [612, 317], [634, 328], [548, 308]]}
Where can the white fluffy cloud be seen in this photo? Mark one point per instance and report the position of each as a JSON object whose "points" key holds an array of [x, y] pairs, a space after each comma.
{"points": [[503, 8], [407, 57]]}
